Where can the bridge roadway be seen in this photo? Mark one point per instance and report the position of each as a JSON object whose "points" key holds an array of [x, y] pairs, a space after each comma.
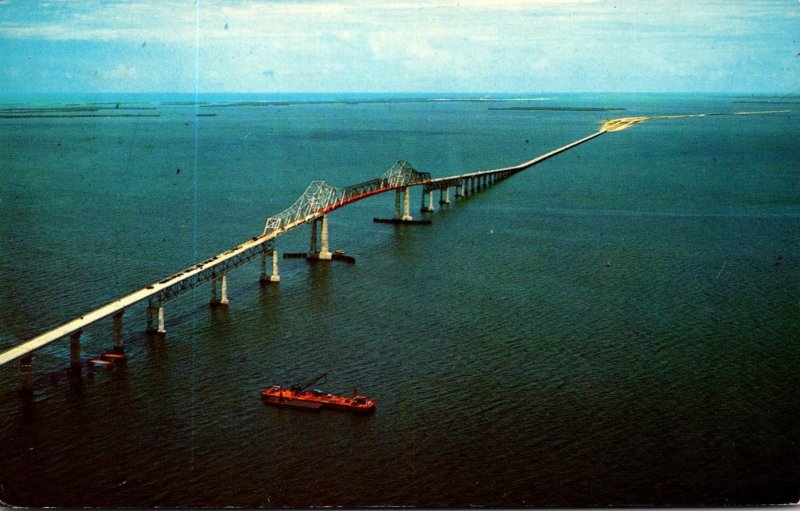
{"points": [[310, 209], [449, 181]]}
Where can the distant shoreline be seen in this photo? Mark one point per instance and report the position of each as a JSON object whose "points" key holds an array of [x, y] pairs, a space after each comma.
{"points": [[561, 108], [72, 116]]}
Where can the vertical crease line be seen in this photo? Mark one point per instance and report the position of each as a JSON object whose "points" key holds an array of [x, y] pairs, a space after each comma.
{"points": [[195, 180]]}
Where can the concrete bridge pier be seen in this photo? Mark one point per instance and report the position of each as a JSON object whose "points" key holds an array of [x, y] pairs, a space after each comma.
{"points": [[223, 298], [406, 212], [406, 216], [460, 189], [397, 199], [427, 196], [117, 317], [25, 374], [321, 253], [159, 313], [444, 196], [275, 277], [75, 350], [313, 246]]}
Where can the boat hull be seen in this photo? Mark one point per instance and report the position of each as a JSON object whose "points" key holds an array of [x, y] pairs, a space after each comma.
{"points": [[314, 400]]}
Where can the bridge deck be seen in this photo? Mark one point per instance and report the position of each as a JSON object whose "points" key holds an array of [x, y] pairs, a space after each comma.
{"points": [[521, 166], [127, 300], [221, 259]]}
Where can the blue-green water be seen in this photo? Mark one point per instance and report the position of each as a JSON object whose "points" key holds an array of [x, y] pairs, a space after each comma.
{"points": [[617, 325]]}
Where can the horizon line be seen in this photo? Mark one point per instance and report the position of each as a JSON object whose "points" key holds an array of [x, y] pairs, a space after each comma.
{"points": [[416, 93]]}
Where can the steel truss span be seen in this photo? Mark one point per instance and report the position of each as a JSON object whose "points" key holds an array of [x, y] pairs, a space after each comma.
{"points": [[320, 198]]}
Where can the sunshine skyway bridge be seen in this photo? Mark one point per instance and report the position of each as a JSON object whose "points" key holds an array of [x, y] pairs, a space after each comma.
{"points": [[312, 207]]}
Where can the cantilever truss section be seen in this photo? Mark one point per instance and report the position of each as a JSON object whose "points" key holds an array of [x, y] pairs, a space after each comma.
{"points": [[319, 197], [403, 174]]}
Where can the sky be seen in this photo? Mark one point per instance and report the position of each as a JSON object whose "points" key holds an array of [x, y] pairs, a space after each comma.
{"points": [[54, 46]]}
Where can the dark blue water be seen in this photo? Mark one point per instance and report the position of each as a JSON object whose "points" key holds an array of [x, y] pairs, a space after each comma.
{"points": [[615, 326]]}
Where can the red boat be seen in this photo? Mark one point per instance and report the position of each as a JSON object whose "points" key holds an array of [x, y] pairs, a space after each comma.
{"points": [[108, 359], [299, 397]]}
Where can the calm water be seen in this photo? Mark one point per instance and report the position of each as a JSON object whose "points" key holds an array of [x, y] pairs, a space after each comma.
{"points": [[618, 325]]}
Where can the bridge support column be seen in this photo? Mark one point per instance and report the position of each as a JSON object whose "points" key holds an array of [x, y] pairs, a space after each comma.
{"points": [[397, 194], [75, 349], [427, 208], [223, 298], [161, 329], [444, 196], [406, 206], [274, 277], [312, 249], [25, 374], [460, 189], [404, 216], [159, 312], [118, 330], [322, 253]]}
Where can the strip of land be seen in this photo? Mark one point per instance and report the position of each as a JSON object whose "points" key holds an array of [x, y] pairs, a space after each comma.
{"points": [[626, 122], [72, 116], [561, 108]]}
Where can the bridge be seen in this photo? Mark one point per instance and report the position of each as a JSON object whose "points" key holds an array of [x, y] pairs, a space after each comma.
{"points": [[312, 207]]}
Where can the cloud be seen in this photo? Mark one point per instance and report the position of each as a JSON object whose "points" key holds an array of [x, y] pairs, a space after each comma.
{"points": [[118, 73], [178, 21], [399, 44], [172, 20]]}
